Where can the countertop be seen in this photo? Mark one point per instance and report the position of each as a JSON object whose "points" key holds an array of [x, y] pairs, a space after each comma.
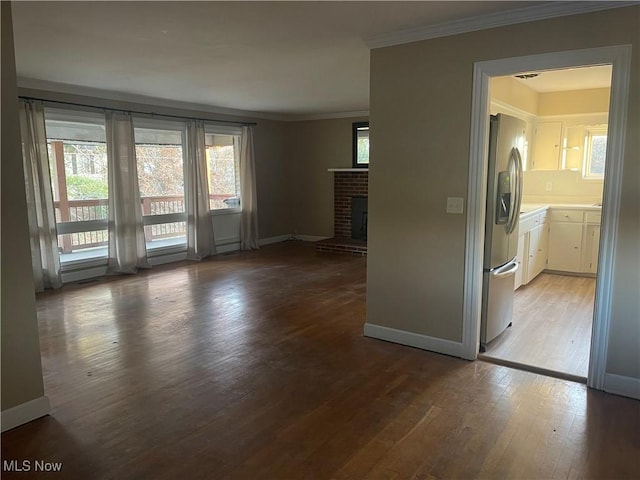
{"points": [[528, 210]]}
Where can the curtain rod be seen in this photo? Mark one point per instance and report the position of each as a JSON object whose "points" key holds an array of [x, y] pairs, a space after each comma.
{"points": [[137, 112]]}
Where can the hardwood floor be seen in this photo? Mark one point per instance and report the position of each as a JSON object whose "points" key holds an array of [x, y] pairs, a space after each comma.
{"points": [[253, 366], [551, 328]]}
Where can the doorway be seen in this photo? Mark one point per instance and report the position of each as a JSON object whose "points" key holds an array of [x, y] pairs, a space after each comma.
{"points": [[566, 115], [619, 57]]}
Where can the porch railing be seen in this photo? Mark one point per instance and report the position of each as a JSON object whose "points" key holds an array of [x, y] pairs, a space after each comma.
{"points": [[97, 209]]}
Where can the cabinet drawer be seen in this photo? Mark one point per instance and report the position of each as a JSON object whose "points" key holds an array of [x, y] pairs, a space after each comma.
{"points": [[592, 217], [566, 215], [528, 224]]}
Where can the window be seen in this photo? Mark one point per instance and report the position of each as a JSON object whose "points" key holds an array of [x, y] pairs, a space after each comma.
{"points": [[361, 145], [78, 160], [222, 150], [161, 182], [595, 151]]}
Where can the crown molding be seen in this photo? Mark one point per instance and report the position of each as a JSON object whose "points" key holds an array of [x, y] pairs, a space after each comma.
{"points": [[328, 116], [509, 17]]}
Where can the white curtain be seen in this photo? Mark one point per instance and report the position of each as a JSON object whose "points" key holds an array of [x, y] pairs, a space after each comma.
{"points": [[248, 196], [40, 210], [127, 248], [200, 240]]}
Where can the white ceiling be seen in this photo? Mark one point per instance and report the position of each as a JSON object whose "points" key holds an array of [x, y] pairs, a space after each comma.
{"points": [[279, 58], [570, 79]]}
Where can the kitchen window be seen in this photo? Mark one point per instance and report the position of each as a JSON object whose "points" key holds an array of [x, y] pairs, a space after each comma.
{"points": [[595, 152]]}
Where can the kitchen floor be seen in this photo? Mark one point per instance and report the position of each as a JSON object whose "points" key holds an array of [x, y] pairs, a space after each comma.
{"points": [[551, 326]]}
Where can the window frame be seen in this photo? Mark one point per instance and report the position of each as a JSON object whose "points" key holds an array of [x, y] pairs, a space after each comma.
{"points": [[228, 130], [355, 128], [591, 132], [178, 127]]}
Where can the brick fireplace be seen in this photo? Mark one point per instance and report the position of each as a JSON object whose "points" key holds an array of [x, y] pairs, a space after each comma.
{"points": [[349, 186]]}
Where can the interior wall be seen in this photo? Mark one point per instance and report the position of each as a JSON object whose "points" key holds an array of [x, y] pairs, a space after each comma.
{"points": [[420, 116], [513, 93], [314, 146], [592, 100], [21, 367]]}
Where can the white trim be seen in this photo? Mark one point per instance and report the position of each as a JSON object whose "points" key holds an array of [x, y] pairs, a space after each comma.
{"points": [[25, 412], [309, 238], [620, 385], [327, 116], [269, 240], [83, 274], [228, 248], [161, 259], [493, 20], [511, 110], [411, 339], [355, 170], [620, 58]]}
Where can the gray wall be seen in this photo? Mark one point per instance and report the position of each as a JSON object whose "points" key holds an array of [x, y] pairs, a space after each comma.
{"points": [[313, 147], [420, 119], [21, 368]]}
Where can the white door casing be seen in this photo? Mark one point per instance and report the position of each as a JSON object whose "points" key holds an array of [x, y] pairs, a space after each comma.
{"points": [[620, 59]]}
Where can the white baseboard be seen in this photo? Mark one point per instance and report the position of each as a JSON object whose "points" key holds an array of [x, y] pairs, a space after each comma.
{"points": [[269, 240], [310, 238], [25, 412], [411, 339], [227, 248], [168, 258], [620, 385]]}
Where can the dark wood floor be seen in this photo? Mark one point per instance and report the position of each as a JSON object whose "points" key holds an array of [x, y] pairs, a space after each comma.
{"points": [[253, 366]]}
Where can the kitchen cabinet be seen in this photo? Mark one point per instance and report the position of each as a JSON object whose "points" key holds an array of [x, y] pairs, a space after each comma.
{"points": [[547, 139], [565, 246], [538, 251], [574, 238], [521, 274], [532, 246]]}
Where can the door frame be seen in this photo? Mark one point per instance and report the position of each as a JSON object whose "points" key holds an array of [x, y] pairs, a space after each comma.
{"points": [[620, 59]]}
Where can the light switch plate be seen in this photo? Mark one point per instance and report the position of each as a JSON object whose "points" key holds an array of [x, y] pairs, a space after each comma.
{"points": [[455, 205]]}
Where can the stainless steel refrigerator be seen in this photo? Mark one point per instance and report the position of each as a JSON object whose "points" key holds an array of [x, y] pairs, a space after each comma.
{"points": [[504, 197]]}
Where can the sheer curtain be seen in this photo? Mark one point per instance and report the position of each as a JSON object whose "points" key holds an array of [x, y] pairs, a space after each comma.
{"points": [[248, 196], [200, 240], [40, 210], [127, 248]]}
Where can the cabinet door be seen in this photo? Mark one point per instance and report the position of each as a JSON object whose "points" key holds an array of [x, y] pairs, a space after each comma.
{"points": [[591, 249], [521, 273], [565, 246], [546, 146], [538, 241]]}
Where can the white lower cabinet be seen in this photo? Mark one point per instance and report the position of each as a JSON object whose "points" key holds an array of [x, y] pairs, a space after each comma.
{"points": [[592, 244], [565, 246], [574, 238], [538, 251], [532, 248]]}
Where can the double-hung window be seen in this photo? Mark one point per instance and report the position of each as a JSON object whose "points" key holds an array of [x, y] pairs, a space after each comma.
{"points": [[77, 151], [159, 156], [595, 151], [222, 151]]}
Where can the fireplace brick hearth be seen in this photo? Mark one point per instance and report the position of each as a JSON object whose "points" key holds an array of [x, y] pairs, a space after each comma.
{"points": [[347, 184]]}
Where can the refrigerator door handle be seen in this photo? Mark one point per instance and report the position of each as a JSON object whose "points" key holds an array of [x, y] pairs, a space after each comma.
{"points": [[505, 273], [515, 160]]}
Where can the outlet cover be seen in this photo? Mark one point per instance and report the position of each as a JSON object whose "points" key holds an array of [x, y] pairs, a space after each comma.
{"points": [[455, 205]]}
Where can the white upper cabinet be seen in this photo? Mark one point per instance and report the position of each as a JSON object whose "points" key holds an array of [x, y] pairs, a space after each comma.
{"points": [[547, 144]]}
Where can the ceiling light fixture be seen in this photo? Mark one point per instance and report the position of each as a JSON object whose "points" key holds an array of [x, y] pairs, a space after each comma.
{"points": [[527, 76]]}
